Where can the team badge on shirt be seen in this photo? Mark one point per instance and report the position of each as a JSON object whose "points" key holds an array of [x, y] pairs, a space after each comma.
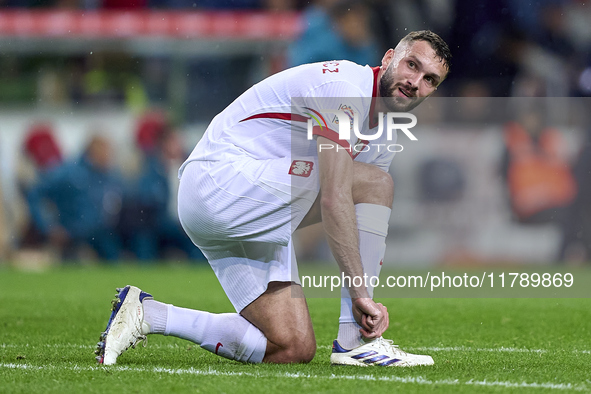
{"points": [[348, 110], [301, 168]]}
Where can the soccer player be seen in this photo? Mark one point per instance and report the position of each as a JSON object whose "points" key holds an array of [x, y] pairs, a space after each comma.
{"points": [[256, 176]]}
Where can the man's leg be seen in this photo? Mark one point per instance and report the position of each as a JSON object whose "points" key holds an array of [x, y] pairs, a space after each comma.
{"points": [[273, 325], [281, 313], [276, 327], [373, 193]]}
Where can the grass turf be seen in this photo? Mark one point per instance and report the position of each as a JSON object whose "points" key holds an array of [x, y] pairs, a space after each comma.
{"points": [[50, 322]]}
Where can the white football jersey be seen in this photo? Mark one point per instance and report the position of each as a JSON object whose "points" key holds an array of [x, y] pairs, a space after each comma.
{"points": [[270, 120]]}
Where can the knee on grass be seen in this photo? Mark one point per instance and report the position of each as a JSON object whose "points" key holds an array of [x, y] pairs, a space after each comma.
{"points": [[297, 350]]}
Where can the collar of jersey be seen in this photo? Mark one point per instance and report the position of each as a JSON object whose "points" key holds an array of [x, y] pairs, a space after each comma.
{"points": [[373, 120]]}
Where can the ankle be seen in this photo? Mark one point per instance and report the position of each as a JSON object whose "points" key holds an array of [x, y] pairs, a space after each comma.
{"points": [[155, 317], [349, 336]]}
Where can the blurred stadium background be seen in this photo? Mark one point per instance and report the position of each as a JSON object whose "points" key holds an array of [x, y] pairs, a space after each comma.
{"points": [[101, 100]]}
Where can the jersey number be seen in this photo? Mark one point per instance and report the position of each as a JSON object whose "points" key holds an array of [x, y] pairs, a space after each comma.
{"points": [[331, 67]]}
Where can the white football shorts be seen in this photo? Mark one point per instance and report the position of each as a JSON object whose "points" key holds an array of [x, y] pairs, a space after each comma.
{"points": [[242, 215]]}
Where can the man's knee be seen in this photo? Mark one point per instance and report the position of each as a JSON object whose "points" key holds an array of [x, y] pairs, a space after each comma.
{"points": [[382, 181], [372, 185], [293, 349], [281, 313], [303, 352]]}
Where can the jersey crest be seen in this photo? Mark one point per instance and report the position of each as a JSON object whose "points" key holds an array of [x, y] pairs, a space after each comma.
{"points": [[301, 168]]}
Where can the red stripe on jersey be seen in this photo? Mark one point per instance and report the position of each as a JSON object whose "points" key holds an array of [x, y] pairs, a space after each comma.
{"points": [[316, 130], [373, 119], [333, 136], [278, 115]]}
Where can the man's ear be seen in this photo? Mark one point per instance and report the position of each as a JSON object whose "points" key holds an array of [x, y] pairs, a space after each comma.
{"points": [[388, 56]]}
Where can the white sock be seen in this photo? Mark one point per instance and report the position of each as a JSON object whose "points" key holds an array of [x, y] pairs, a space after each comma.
{"points": [[372, 222], [227, 334], [155, 314]]}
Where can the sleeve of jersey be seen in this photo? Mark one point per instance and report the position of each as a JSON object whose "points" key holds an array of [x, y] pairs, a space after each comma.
{"points": [[384, 159], [332, 109]]}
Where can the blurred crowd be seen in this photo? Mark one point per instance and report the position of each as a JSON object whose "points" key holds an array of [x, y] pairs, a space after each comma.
{"points": [[152, 4], [545, 181], [501, 48], [85, 207]]}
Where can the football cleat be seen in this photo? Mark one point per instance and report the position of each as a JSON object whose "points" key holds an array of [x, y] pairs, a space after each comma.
{"points": [[126, 326], [379, 352]]}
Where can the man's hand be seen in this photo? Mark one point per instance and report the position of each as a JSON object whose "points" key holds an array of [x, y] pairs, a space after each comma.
{"points": [[373, 318]]}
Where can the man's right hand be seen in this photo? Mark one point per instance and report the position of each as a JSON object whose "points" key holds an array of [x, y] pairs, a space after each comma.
{"points": [[372, 317]]}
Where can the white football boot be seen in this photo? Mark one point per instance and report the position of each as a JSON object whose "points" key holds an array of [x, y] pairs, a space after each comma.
{"points": [[379, 352], [126, 326]]}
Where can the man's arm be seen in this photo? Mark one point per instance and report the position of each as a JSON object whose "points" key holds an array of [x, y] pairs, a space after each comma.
{"points": [[340, 225]]}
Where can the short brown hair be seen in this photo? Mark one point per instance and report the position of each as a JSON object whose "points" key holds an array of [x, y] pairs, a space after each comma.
{"points": [[439, 46]]}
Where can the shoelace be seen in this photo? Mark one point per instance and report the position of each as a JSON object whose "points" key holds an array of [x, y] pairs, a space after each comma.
{"points": [[138, 337], [388, 344], [141, 338]]}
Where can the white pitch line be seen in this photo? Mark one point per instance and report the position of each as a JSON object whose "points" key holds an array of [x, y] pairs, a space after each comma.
{"points": [[501, 349], [47, 345], [392, 379]]}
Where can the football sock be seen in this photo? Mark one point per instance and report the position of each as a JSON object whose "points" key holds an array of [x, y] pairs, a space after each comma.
{"points": [[226, 334], [155, 314], [372, 222]]}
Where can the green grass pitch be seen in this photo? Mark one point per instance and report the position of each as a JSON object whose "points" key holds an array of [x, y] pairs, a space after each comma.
{"points": [[50, 323]]}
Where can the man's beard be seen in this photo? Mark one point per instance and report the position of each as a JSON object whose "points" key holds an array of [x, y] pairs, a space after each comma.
{"points": [[395, 103]]}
